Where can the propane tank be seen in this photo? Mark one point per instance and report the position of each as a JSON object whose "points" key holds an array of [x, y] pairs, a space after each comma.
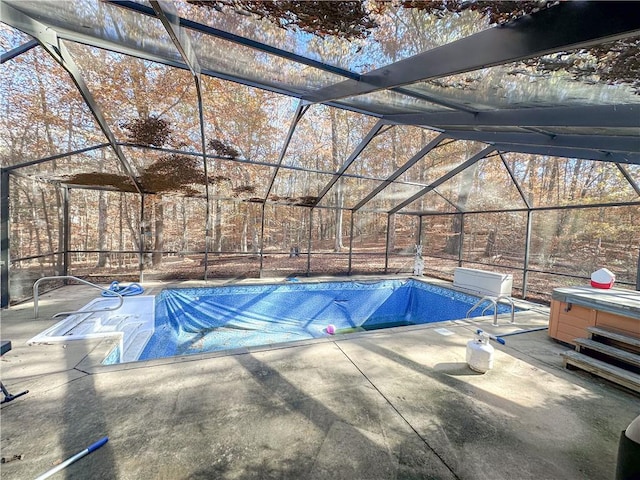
{"points": [[480, 353]]}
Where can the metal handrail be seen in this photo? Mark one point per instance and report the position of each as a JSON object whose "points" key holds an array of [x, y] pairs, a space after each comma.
{"points": [[40, 280], [494, 301]]}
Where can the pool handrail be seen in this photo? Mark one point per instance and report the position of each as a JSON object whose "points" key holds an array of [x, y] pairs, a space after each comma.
{"points": [[71, 277], [494, 301]]}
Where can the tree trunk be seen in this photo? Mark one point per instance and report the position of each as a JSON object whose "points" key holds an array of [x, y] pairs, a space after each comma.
{"points": [[34, 226], [156, 258], [392, 234], [47, 221], [183, 212], [147, 234], [256, 239], [103, 256], [490, 247], [62, 233], [85, 243], [122, 256], [338, 245], [452, 246], [335, 157], [391, 245], [218, 227], [245, 230]]}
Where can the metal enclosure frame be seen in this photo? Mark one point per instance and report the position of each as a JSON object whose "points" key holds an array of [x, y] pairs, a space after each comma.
{"points": [[592, 23]]}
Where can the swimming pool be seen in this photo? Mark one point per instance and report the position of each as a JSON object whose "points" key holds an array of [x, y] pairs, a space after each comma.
{"points": [[198, 320], [183, 321]]}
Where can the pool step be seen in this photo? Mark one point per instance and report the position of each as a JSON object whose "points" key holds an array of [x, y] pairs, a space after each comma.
{"points": [[134, 344], [609, 354], [134, 323]]}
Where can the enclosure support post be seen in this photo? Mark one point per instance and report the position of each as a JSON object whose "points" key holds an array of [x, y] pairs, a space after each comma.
{"points": [[461, 239], [386, 248], [4, 239], [419, 239], [350, 242], [300, 111], [309, 242], [527, 246], [168, 15], [66, 232], [207, 228]]}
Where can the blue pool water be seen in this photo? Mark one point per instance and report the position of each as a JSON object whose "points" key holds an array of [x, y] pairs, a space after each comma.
{"points": [[197, 320]]}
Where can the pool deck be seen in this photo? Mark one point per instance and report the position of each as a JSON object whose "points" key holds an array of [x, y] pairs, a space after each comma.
{"points": [[399, 403]]}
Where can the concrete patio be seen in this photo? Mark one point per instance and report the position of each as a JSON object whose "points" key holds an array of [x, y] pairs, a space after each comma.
{"points": [[399, 403]]}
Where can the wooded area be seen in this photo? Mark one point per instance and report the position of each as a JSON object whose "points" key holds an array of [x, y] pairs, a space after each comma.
{"points": [[236, 202]]}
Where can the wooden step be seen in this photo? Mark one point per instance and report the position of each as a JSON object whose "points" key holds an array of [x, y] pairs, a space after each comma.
{"points": [[622, 355], [614, 374], [633, 342]]}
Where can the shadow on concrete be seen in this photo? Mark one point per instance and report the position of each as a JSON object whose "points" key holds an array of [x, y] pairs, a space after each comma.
{"points": [[82, 429], [481, 434], [346, 450]]}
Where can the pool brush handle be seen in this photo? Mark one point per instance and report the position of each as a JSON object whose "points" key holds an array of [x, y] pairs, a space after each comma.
{"points": [[94, 446]]}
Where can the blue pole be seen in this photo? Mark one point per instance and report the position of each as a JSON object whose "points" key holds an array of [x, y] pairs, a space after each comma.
{"points": [[492, 337], [77, 456]]}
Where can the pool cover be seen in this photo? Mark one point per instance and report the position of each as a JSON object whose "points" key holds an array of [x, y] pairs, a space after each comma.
{"points": [[199, 320]]}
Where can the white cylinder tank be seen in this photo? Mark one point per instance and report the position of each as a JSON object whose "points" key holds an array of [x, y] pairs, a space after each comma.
{"points": [[480, 353]]}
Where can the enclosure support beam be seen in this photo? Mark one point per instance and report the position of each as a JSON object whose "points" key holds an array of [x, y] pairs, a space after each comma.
{"points": [[394, 176], [168, 16], [14, 52], [300, 111], [630, 179], [472, 161], [568, 25], [63, 57], [205, 168], [534, 209], [527, 248], [515, 181], [4, 239], [230, 37], [48, 38], [525, 270], [613, 116], [55, 157], [606, 143], [358, 150], [572, 152], [259, 46]]}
